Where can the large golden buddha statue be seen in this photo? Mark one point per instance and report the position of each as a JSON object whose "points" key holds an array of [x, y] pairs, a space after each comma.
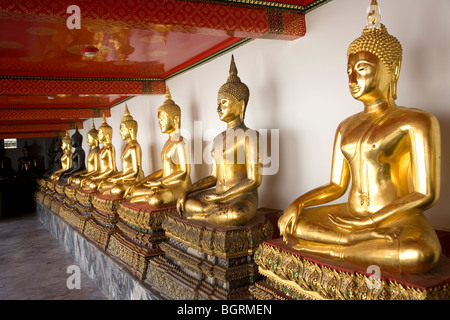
{"points": [[92, 160], [107, 158], [131, 158], [66, 159], [229, 195], [163, 187], [390, 157]]}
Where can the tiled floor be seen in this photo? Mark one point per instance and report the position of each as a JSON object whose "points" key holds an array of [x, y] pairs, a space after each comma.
{"points": [[33, 266]]}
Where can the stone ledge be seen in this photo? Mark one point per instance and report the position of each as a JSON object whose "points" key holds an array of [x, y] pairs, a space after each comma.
{"points": [[113, 279]]}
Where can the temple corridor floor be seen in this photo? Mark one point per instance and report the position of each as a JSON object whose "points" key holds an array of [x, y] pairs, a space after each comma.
{"points": [[33, 265]]}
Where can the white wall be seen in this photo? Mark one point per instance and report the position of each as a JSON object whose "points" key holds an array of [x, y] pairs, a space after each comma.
{"points": [[300, 87]]}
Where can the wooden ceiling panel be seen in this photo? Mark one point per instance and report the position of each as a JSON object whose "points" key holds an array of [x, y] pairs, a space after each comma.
{"points": [[137, 45]]}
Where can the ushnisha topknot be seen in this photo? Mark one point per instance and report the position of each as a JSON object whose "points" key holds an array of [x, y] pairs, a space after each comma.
{"points": [[169, 106], [67, 139], [376, 40], [105, 127], [234, 86], [77, 137], [93, 132], [128, 120]]}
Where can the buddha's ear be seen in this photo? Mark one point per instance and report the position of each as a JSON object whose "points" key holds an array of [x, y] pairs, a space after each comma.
{"points": [[176, 121], [394, 78], [242, 109]]}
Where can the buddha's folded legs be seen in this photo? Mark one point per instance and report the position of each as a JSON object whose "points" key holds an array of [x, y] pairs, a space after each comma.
{"points": [[415, 247], [237, 211], [155, 197]]}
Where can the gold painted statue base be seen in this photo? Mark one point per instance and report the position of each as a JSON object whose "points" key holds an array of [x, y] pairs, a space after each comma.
{"points": [[138, 235], [290, 275], [204, 261], [104, 218]]}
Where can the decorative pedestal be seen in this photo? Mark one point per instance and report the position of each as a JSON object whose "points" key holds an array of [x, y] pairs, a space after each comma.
{"points": [[102, 225], [69, 209], [138, 235], [83, 207], [202, 261], [59, 196], [292, 275], [51, 198], [41, 191]]}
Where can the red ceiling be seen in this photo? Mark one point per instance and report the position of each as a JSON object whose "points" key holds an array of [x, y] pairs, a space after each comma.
{"points": [[47, 85]]}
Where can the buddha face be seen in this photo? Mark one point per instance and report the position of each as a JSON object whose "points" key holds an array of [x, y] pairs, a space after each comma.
{"points": [[91, 140], [228, 107], [165, 122], [124, 131], [66, 146], [102, 135], [368, 77]]}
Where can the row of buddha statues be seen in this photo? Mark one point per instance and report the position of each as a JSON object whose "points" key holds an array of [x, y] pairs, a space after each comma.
{"points": [[388, 157]]}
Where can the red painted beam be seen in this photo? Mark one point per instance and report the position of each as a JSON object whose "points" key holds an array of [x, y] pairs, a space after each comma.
{"points": [[21, 135], [53, 113], [30, 128], [49, 86]]}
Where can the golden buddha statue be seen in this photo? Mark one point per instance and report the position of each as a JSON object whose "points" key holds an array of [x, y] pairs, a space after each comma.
{"points": [[229, 196], [163, 187], [106, 157], [117, 183], [66, 159], [27, 164], [92, 161], [78, 158], [391, 155]]}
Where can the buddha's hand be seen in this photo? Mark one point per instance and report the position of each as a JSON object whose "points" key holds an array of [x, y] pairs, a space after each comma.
{"points": [[154, 185], [288, 221], [352, 223], [213, 197], [181, 202]]}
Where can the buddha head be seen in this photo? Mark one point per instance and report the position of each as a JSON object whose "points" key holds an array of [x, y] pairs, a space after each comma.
{"points": [[66, 143], [77, 139], [92, 136], [374, 61], [169, 115], [104, 132], [233, 96], [128, 126], [25, 149]]}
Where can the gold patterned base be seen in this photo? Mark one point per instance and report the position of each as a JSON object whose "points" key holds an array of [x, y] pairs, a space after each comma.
{"points": [[56, 203], [50, 185], [59, 188], [85, 196], [48, 199], [291, 275], [138, 235], [104, 218], [170, 282], [107, 204], [203, 261], [98, 234], [71, 191], [73, 218], [39, 196], [134, 257], [223, 242]]}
